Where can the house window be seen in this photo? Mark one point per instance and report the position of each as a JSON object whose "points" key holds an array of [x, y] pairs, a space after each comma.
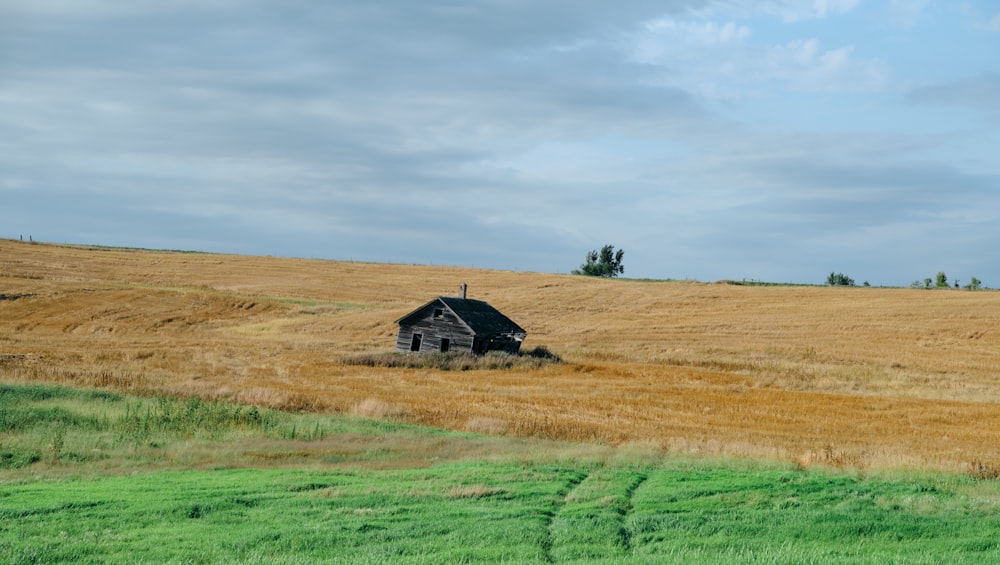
{"points": [[445, 342], [415, 343], [438, 312]]}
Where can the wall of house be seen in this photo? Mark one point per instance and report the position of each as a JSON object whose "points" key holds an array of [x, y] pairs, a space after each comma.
{"points": [[433, 329]]}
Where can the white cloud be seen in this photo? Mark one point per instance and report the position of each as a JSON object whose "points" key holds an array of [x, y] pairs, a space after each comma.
{"points": [[719, 60], [805, 65], [818, 9], [980, 19], [789, 11], [993, 24], [907, 12], [700, 33]]}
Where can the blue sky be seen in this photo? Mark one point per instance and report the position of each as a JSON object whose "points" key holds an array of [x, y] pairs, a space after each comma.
{"points": [[710, 140]]}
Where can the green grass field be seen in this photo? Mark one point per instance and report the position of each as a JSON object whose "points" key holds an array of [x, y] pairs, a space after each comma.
{"points": [[93, 477]]}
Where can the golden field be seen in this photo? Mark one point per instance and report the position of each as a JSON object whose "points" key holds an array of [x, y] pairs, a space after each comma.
{"points": [[854, 377]]}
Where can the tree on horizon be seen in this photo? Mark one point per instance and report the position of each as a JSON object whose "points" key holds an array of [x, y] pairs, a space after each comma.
{"points": [[604, 263]]}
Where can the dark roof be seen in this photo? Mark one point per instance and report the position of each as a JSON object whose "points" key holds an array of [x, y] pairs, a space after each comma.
{"points": [[479, 316]]}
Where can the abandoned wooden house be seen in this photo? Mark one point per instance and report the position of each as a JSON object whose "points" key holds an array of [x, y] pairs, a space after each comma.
{"points": [[458, 324]]}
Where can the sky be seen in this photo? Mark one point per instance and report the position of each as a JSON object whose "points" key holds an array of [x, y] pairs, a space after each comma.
{"points": [[709, 139]]}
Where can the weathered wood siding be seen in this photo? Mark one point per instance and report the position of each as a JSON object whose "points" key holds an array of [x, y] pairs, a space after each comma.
{"points": [[433, 330]]}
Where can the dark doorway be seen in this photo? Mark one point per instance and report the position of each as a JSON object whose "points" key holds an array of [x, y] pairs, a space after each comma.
{"points": [[445, 343], [415, 344]]}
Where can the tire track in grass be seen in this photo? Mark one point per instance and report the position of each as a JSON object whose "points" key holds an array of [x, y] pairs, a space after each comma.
{"points": [[625, 532], [571, 485], [590, 524]]}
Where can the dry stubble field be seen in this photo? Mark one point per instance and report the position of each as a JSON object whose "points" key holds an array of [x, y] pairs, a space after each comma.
{"points": [[853, 377]]}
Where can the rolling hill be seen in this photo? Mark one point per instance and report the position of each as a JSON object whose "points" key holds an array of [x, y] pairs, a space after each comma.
{"points": [[852, 377]]}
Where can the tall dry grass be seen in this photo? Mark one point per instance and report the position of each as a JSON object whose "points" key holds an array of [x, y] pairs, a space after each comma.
{"points": [[858, 376]]}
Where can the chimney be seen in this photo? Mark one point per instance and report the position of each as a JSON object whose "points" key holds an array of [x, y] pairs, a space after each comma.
{"points": [[462, 288]]}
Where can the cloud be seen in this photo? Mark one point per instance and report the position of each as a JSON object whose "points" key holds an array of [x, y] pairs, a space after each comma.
{"points": [[718, 60], [806, 65], [888, 223], [979, 18], [714, 138], [907, 12], [698, 33], [817, 9], [993, 24], [979, 94], [788, 11]]}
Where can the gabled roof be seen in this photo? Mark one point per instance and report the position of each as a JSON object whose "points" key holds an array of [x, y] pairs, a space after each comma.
{"points": [[477, 315]]}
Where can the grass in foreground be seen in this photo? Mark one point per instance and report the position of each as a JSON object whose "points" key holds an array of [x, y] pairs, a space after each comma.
{"points": [[529, 504]]}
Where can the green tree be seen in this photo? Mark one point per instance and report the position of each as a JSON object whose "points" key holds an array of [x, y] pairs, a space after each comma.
{"points": [[839, 279], [605, 263], [941, 280], [974, 284], [927, 282]]}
